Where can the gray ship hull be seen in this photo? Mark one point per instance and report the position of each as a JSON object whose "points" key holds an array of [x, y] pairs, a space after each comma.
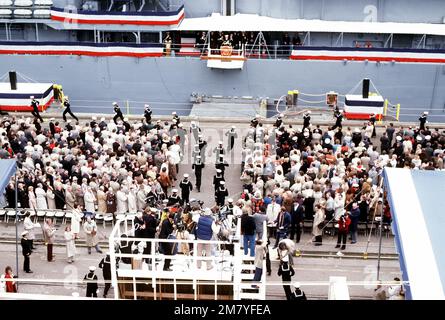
{"points": [[167, 83]]}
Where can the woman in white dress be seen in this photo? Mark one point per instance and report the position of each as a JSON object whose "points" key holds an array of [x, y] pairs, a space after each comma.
{"points": [[76, 218], [32, 198], [132, 200], [89, 200], [122, 200], [41, 198], [70, 244], [50, 198]]}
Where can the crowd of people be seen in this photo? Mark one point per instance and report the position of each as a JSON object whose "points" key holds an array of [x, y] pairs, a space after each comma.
{"points": [[237, 40], [290, 174]]}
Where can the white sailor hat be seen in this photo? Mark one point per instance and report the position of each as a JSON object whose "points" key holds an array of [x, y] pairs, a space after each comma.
{"points": [[146, 105], [186, 175], [308, 112], [399, 138], [92, 268], [428, 137], [198, 157], [207, 212], [230, 200], [24, 233], [32, 97], [180, 125], [357, 130], [175, 190], [115, 103], [94, 118], [296, 285], [425, 112], [52, 119], [68, 121], [165, 201], [174, 112], [200, 135], [220, 142], [419, 138], [295, 138], [281, 115], [257, 115], [218, 170], [380, 200], [153, 210], [327, 140], [222, 182], [233, 127]]}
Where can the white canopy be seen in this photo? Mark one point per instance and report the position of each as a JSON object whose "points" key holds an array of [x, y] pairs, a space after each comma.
{"points": [[253, 22]]}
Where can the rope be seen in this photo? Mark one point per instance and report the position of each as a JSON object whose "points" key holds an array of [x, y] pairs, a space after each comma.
{"points": [[313, 95], [3, 76], [355, 87], [26, 78], [372, 83], [314, 102]]}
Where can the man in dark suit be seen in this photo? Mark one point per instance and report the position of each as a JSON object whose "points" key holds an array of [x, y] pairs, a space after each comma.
{"points": [[297, 218], [283, 222], [390, 132], [105, 265], [167, 228], [26, 250]]}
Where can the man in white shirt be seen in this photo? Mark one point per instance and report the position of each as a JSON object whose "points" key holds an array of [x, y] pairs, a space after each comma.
{"points": [[272, 211]]}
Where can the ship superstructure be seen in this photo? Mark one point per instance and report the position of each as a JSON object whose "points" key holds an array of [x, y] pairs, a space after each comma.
{"points": [[157, 52]]}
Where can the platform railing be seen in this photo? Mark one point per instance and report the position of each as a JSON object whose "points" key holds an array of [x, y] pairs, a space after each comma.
{"points": [[126, 227]]}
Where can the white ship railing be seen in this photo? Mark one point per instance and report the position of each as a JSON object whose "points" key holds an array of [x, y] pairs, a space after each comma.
{"points": [[222, 271], [227, 270]]}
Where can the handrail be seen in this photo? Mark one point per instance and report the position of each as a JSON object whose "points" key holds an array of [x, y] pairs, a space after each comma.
{"points": [[116, 238]]}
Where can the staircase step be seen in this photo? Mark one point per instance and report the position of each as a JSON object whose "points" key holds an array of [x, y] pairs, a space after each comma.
{"points": [[251, 296], [246, 276], [248, 267]]}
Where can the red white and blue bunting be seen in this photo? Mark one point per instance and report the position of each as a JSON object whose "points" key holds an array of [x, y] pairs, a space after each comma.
{"points": [[123, 18], [82, 49], [20, 99], [369, 54]]}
